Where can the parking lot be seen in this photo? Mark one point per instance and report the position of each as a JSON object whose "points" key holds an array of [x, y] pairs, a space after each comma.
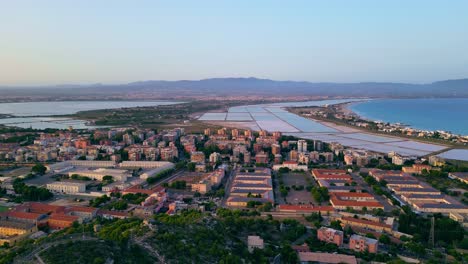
{"points": [[298, 193]]}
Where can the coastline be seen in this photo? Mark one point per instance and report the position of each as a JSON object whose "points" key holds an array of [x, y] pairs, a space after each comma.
{"points": [[346, 109]]}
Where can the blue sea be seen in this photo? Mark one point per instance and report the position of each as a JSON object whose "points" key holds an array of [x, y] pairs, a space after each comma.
{"points": [[428, 114]]}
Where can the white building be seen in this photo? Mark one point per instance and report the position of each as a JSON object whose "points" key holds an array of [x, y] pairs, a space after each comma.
{"points": [[254, 242], [292, 165], [215, 157], [301, 146], [98, 174], [67, 187], [145, 164], [155, 171]]}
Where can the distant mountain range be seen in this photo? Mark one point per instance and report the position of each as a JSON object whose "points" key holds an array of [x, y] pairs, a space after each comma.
{"points": [[236, 86]]}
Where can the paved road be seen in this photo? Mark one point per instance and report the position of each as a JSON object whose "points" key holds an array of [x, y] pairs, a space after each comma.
{"points": [[227, 188], [383, 200], [170, 178]]}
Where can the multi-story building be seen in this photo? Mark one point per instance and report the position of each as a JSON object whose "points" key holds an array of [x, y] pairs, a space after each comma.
{"points": [[356, 201], [348, 159], [222, 131], [211, 180], [303, 158], [276, 135], [363, 244], [99, 174], [398, 159], [261, 157], [461, 176], [215, 157], [417, 168], [292, 165], [82, 143], [318, 145], [251, 186], [197, 157], [169, 153], [12, 232], [330, 235], [314, 156], [67, 187], [436, 161], [376, 226], [235, 133], [293, 155], [328, 156], [275, 149], [278, 159], [247, 157], [301, 146], [331, 174], [254, 242]]}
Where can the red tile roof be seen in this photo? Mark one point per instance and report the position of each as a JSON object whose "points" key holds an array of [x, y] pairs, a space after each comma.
{"points": [[81, 209], [365, 222], [353, 194], [304, 208], [44, 208], [330, 174], [351, 203], [62, 217], [23, 215]]}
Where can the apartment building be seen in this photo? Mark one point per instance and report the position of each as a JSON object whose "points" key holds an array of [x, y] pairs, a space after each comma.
{"points": [[330, 235], [363, 244]]}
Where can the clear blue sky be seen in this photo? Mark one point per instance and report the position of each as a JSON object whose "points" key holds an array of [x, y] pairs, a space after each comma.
{"points": [[109, 41]]}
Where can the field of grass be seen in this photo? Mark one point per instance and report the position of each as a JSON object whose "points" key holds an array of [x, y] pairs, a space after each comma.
{"points": [[3, 208]]}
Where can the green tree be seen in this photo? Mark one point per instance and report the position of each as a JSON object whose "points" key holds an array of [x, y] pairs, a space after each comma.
{"points": [[191, 166], [39, 169], [385, 239], [320, 194]]}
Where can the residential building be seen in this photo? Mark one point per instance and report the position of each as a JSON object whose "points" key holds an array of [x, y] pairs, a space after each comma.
{"points": [[318, 145], [254, 242], [366, 224], [197, 157], [12, 232], [301, 146], [275, 149], [292, 165], [215, 157], [330, 235], [261, 157], [363, 244], [417, 168]]}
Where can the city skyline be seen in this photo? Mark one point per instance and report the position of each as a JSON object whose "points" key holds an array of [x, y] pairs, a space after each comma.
{"points": [[55, 42]]}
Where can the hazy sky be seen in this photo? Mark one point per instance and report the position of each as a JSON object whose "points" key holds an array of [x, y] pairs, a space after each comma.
{"points": [[56, 42]]}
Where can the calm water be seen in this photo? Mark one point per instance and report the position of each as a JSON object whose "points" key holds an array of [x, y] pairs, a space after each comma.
{"points": [[42, 111], [429, 114], [70, 107]]}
